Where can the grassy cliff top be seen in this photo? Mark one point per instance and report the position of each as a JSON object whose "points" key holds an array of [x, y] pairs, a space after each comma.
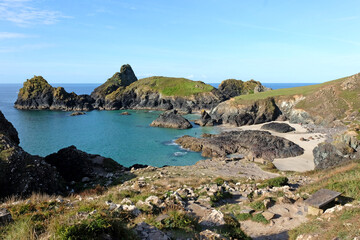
{"points": [[172, 86], [331, 100], [34, 86]]}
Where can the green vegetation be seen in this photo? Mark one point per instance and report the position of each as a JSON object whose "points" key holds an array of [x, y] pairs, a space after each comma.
{"points": [[218, 196], [304, 90], [34, 87], [93, 227], [274, 182], [344, 225], [259, 218], [258, 205], [343, 179], [219, 181], [178, 220], [171, 86]]}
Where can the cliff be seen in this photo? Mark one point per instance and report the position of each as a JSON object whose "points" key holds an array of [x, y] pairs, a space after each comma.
{"points": [[231, 88], [37, 93], [21, 173]]}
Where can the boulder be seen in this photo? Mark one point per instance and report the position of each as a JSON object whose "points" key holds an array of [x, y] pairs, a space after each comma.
{"points": [[259, 144], [77, 113], [76, 165], [171, 119], [215, 218], [278, 127], [268, 215], [231, 88], [5, 216], [205, 119], [248, 113], [327, 155]]}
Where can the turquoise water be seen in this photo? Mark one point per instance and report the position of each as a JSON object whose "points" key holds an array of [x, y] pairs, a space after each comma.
{"points": [[126, 139]]}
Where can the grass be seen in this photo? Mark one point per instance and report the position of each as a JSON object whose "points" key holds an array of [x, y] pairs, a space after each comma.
{"points": [[305, 90], [33, 87], [344, 225], [172, 86], [258, 205], [274, 182], [344, 179]]}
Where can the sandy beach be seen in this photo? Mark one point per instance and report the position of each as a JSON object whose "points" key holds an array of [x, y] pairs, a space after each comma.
{"points": [[302, 163]]}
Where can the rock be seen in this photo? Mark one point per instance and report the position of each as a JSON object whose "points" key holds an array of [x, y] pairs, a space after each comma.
{"points": [[215, 218], [22, 173], [231, 88], [205, 119], [268, 215], [278, 127], [148, 232], [260, 111], [77, 113], [210, 235], [247, 211], [153, 200], [7, 129], [5, 216], [76, 165], [85, 179], [337, 208], [259, 144], [327, 155], [131, 209], [171, 119], [267, 203], [116, 83], [314, 211], [37, 93], [125, 113], [284, 200]]}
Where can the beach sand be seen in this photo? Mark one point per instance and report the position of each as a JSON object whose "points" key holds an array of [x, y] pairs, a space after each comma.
{"points": [[302, 163]]}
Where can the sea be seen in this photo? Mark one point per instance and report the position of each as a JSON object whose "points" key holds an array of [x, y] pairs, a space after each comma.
{"points": [[128, 139]]}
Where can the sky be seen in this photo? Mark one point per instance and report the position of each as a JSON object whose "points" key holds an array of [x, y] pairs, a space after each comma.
{"points": [[87, 41]]}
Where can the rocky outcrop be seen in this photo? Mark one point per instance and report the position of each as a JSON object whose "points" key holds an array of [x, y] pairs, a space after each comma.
{"points": [[278, 127], [205, 119], [22, 174], [326, 155], [113, 85], [7, 129], [75, 165], [231, 88], [260, 111], [345, 147], [37, 93], [257, 144], [171, 119]]}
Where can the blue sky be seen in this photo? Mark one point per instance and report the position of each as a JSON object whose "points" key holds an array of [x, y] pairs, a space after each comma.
{"points": [[82, 41]]}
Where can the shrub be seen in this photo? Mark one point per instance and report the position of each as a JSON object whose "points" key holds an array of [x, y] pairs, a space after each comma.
{"points": [[178, 220], [274, 182], [259, 218], [257, 205], [219, 196], [219, 181]]}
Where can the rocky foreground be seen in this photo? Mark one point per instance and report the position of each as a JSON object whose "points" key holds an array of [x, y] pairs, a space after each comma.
{"points": [[93, 197]]}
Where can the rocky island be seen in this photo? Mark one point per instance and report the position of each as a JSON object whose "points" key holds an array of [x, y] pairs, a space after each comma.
{"points": [[124, 91]]}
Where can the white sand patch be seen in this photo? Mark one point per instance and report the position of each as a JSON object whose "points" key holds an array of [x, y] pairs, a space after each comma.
{"points": [[302, 163]]}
